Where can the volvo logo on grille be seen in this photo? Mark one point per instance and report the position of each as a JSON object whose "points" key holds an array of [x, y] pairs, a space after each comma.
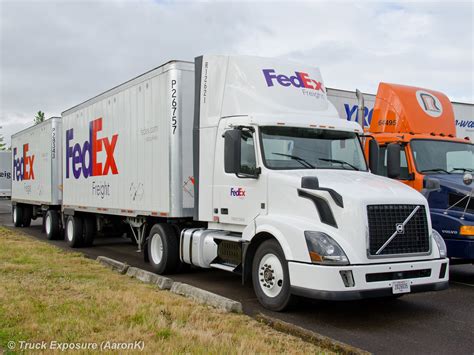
{"points": [[400, 228]]}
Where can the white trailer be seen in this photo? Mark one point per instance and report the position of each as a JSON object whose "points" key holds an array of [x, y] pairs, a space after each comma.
{"points": [[37, 178], [128, 153], [346, 104], [241, 164], [5, 174]]}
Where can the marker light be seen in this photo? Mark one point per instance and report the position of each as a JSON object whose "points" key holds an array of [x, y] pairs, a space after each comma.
{"points": [[324, 250], [466, 230]]}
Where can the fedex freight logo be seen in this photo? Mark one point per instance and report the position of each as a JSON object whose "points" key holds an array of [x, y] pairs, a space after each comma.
{"points": [[23, 166], [299, 80], [429, 103], [84, 160], [237, 192]]}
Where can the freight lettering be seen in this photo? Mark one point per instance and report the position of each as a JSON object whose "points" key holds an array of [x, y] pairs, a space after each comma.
{"points": [[23, 167], [83, 159], [101, 189], [355, 109], [5, 174], [299, 80]]}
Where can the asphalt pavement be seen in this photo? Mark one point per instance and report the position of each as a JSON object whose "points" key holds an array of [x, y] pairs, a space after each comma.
{"points": [[425, 323]]}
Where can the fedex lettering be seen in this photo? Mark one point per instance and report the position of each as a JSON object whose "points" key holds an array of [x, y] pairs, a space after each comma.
{"points": [[77, 160], [299, 80], [23, 167], [237, 192]]}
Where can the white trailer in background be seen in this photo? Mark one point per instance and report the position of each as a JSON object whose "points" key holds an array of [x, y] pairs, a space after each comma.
{"points": [[36, 175], [241, 164], [347, 106], [5, 174]]}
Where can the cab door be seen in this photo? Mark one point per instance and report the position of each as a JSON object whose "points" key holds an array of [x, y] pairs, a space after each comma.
{"points": [[239, 198]]}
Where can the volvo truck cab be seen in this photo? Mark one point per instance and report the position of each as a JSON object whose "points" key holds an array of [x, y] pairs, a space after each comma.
{"points": [[287, 198]]}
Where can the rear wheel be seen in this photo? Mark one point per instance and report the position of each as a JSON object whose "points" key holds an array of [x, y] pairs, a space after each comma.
{"points": [[270, 276], [74, 232], [17, 215], [89, 230], [163, 251], [27, 213], [51, 225]]}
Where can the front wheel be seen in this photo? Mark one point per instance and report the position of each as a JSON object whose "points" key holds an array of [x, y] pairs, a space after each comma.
{"points": [[270, 276], [163, 251]]}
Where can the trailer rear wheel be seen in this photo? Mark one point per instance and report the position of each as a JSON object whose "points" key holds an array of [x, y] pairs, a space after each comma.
{"points": [[163, 250], [89, 230], [51, 225], [17, 215], [270, 276], [74, 232], [27, 214]]}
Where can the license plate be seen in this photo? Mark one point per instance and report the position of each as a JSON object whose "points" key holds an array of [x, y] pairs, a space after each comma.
{"points": [[402, 286]]}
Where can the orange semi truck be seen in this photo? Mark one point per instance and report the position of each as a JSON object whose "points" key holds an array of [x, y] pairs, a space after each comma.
{"points": [[415, 130]]}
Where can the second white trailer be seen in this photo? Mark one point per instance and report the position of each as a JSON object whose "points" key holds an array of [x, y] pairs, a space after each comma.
{"points": [[5, 174]]}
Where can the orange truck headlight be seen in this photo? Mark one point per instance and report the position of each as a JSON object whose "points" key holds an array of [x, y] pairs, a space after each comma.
{"points": [[466, 230]]}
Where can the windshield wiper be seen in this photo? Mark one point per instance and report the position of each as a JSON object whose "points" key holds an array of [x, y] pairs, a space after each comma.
{"points": [[462, 169], [298, 159], [435, 170], [342, 162]]}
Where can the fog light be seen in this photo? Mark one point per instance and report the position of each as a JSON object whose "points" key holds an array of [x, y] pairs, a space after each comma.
{"points": [[466, 230], [347, 278]]}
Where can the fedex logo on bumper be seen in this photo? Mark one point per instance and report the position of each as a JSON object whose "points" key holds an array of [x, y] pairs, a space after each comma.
{"points": [[83, 159], [23, 166], [299, 80]]}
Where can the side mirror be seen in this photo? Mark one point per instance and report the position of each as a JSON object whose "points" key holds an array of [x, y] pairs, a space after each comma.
{"points": [[232, 149], [374, 152], [393, 160]]}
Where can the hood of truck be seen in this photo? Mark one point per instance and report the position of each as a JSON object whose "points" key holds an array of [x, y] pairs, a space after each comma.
{"points": [[452, 188], [356, 189]]}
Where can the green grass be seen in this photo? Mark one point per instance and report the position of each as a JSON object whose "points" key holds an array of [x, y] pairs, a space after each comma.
{"points": [[47, 294]]}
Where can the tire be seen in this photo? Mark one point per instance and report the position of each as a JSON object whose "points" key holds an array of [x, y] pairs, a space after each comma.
{"points": [[52, 225], [17, 215], [270, 276], [27, 213], [163, 250], [89, 230], [74, 232]]}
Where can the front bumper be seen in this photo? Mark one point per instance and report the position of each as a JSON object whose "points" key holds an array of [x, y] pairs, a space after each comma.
{"points": [[372, 280]]}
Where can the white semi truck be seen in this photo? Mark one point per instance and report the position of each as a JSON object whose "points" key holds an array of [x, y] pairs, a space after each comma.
{"points": [[242, 164]]}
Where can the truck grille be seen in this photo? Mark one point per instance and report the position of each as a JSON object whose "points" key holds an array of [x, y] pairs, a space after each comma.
{"points": [[383, 220]]}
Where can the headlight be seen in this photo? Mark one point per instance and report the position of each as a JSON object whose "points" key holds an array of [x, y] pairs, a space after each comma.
{"points": [[324, 250], [443, 251]]}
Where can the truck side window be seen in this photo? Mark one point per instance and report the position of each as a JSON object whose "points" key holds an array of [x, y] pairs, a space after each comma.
{"points": [[248, 163], [404, 171]]}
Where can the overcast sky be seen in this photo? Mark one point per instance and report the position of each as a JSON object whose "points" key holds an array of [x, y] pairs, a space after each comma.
{"points": [[56, 54]]}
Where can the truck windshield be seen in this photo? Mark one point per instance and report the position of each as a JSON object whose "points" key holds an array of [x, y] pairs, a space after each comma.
{"points": [[307, 148], [442, 157]]}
